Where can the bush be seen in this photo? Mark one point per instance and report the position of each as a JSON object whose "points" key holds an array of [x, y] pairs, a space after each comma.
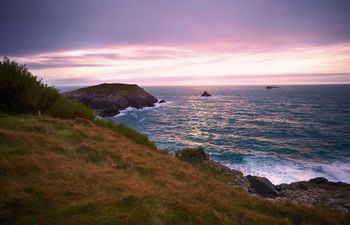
{"points": [[188, 153], [65, 108], [22, 92], [128, 132]]}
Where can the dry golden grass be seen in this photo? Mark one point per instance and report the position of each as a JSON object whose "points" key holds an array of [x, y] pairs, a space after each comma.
{"points": [[74, 172]]}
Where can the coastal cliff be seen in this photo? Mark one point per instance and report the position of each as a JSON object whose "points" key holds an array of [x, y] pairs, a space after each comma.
{"points": [[108, 100]]}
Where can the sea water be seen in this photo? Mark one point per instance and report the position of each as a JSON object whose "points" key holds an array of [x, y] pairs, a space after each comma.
{"points": [[286, 134]]}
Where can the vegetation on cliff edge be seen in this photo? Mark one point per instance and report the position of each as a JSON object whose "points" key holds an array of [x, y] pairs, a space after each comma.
{"points": [[55, 171], [23, 92]]}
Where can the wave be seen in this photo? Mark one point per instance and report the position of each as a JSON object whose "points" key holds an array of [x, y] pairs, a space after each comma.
{"points": [[286, 171], [130, 110]]}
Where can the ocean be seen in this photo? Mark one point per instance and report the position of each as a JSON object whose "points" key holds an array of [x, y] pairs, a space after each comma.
{"points": [[286, 134]]}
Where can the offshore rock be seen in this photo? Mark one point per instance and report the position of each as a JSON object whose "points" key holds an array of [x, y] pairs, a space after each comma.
{"points": [[205, 94]]}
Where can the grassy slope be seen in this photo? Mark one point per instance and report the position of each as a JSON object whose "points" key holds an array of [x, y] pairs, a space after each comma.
{"points": [[74, 172]]}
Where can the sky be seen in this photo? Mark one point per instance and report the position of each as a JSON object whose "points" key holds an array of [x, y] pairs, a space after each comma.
{"points": [[182, 42]]}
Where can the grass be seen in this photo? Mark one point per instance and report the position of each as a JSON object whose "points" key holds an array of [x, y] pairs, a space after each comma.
{"points": [[128, 132], [109, 88], [55, 171]]}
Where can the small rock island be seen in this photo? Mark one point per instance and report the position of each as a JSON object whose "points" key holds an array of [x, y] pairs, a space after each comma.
{"points": [[205, 94], [271, 87], [108, 100]]}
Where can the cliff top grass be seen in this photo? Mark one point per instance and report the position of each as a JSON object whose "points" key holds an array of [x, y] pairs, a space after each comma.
{"points": [[55, 171], [106, 87]]}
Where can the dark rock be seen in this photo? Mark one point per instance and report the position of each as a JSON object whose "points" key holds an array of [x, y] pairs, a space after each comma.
{"points": [[162, 101], [262, 186], [219, 168], [108, 100], [319, 180], [271, 87], [205, 94], [317, 192]]}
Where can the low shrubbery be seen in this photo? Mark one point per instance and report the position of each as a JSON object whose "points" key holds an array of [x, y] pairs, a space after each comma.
{"points": [[23, 92], [128, 132], [188, 153], [65, 108]]}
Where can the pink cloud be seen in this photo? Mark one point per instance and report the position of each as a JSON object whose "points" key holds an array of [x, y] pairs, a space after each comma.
{"points": [[202, 63]]}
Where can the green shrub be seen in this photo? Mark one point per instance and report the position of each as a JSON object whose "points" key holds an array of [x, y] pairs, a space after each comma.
{"points": [[65, 108], [22, 92], [128, 132], [198, 152]]}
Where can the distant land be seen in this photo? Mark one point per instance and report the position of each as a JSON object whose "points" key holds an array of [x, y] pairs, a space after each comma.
{"points": [[107, 100]]}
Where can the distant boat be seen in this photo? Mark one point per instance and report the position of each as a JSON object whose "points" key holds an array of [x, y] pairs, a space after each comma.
{"points": [[271, 87]]}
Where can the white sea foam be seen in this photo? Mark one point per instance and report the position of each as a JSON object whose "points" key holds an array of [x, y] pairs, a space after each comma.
{"points": [[131, 110], [287, 171]]}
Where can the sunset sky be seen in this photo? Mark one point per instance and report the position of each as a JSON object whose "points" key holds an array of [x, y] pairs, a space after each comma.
{"points": [[182, 42]]}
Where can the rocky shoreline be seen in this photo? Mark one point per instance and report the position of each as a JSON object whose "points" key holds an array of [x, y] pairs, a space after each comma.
{"points": [[315, 192]]}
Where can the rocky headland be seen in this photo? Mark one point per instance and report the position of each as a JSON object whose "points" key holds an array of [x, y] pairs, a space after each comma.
{"points": [[108, 100]]}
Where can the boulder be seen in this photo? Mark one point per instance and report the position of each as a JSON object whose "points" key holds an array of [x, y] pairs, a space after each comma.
{"points": [[262, 186], [162, 101], [319, 180], [108, 100]]}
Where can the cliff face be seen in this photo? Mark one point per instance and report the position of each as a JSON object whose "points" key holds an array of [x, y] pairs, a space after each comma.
{"points": [[109, 99]]}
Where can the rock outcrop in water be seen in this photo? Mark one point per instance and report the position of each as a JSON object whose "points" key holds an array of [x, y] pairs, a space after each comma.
{"points": [[108, 100], [205, 94], [271, 87]]}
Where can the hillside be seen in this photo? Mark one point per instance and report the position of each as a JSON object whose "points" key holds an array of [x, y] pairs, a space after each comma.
{"points": [[56, 171], [108, 99]]}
